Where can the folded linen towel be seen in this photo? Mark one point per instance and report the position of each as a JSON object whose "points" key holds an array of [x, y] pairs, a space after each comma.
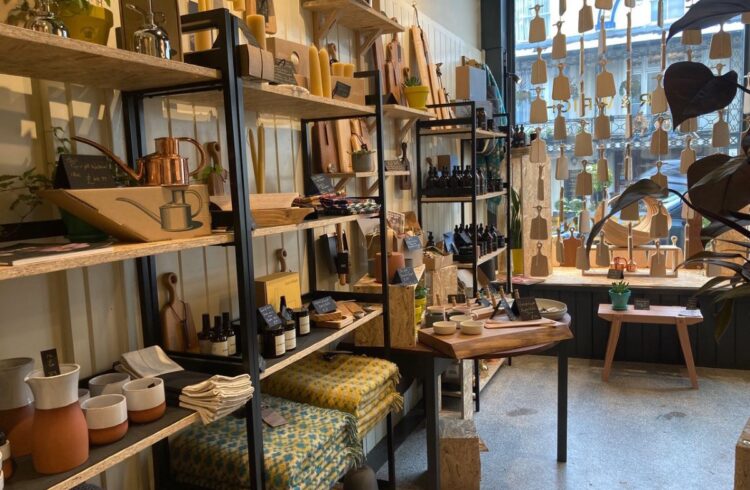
{"points": [[217, 396]]}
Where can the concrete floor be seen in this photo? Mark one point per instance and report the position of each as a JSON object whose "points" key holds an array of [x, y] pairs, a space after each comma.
{"points": [[645, 429]]}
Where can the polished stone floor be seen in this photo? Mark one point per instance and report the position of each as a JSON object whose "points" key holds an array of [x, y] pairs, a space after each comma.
{"points": [[645, 429]]}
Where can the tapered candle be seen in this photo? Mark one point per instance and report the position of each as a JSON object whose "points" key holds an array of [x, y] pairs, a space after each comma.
{"points": [[257, 25], [337, 69], [203, 38], [316, 86], [349, 70], [238, 4], [325, 72]]}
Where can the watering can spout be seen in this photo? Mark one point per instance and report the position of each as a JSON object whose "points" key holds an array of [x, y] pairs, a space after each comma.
{"points": [[135, 175], [140, 206]]}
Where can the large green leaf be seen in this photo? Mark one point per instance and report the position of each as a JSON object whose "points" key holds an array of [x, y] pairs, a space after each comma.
{"points": [[723, 171], [718, 184], [723, 318]]}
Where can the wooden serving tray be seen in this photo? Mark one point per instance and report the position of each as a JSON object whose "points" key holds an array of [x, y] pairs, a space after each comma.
{"points": [[279, 217]]}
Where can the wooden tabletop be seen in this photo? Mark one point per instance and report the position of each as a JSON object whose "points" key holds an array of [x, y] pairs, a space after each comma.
{"points": [[660, 315], [495, 342]]}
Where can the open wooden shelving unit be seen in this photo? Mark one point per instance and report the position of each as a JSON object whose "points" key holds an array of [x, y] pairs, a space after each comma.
{"points": [[270, 99], [482, 259], [353, 14], [311, 224], [461, 133], [480, 197]]}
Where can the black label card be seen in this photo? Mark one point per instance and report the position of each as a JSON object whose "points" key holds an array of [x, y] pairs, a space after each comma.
{"points": [[508, 310], [50, 363], [527, 309], [341, 90], [692, 303], [324, 305], [615, 274], [323, 184], [406, 276], [86, 172], [268, 316], [641, 304], [413, 243]]}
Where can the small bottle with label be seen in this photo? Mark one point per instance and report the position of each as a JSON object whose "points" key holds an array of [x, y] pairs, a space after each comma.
{"points": [[219, 343], [302, 321], [204, 336], [274, 342], [290, 335], [284, 311], [229, 332]]}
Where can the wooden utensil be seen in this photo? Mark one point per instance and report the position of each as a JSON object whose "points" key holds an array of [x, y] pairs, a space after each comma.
{"points": [[659, 178], [538, 150], [560, 85], [257, 155], [689, 125], [570, 249], [603, 4], [539, 263], [218, 175], [605, 82], [538, 69], [629, 34], [584, 185], [628, 163], [559, 250], [687, 156], [540, 184], [539, 229], [692, 37], [537, 28], [721, 45], [720, 134], [394, 56], [602, 168], [602, 129], [538, 114], [659, 139], [663, 51], [630, 3], [659, 223], [562, 7], [631, 213], [561, 127], [602, 49], [344, 145], [325, 152], [603, 256], [559, 43], [585, 18], [561, 168], [178, 329], [584, 145], [659, 97], [582, 257], [584, 218], [658, 265]]}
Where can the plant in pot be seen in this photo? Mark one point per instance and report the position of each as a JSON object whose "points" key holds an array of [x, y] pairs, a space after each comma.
{"points": [[516, 232], [416, 93], [420, 302], [85, 20], [619, 293]]}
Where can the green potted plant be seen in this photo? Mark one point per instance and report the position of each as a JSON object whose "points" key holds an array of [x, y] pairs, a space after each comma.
{"points": [[86, 21], [363, 160], [516, 232], [619, 293], [420, 302], [416, 93]]}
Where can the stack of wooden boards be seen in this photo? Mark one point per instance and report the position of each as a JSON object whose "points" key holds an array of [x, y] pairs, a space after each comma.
{"points": [[344, 315]]}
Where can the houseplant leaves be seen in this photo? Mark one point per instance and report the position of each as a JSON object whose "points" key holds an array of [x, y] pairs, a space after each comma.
{"points": [[692, 90], [707, 13]]}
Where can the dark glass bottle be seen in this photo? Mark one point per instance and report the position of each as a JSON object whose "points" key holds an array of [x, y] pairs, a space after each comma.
{"points": [[442, 181], [430, 239], [229, 333], [480, 181], [431, 178], [204, 336], [284, 312], [455, 180], [219, 343]]}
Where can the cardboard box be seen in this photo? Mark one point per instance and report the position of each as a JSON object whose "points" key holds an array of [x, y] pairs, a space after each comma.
{"points": [[471, 83], [435, 260], [269, 289], [348, 89], [139, 214], [256, 63]]}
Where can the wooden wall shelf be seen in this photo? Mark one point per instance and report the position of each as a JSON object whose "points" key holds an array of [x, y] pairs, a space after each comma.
{"points": [[33, 54], [354, 14], [138, 438], [308, 225], [270, 99], [481, 197], [482, 259], [462, 133]]}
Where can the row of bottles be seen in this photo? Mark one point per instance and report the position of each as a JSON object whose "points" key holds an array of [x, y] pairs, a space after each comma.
{"points": [[488, 239], [459, 182], [219, 340], [279, 339]]}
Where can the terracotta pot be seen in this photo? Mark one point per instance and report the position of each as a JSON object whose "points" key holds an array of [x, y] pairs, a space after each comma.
{"points": [[106, 418], [395, 262], [146, 400], [59, 439], [16, 403]]}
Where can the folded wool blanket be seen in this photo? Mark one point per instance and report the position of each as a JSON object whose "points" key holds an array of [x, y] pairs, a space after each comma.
{"points": [[313, 450]]}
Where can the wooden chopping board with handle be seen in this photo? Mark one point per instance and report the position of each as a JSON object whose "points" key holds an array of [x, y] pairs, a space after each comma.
{"points": [[177, 326], [394, 56]]}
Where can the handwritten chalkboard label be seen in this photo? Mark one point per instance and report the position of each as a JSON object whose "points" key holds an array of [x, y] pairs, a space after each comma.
{"points": [[412, 243], [322, 184], [324, 305], [641, 304], [615, 274], [50, 362], [692, 303], [406, 276], [284, 72], [527, 309], [269, 317], [342, 90], [86, 172]]}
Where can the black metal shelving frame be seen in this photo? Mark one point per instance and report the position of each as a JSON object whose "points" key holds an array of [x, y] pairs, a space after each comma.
{"points": [[222, 56]]}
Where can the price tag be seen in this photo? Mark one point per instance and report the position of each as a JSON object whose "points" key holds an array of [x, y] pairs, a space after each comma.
{"points": [[406, 276], [85, 172], [615, 274], [692, 303], [413, 243], [641, 304], [508, 310], [527, 309], [324, 305], [50, 363], [272, 417], [322, 184], [341, 90], [268, 316]]}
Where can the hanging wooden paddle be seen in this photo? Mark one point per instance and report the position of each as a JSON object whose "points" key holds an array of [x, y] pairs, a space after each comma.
{"points": [[628, 163], [687, 156], [394, 56], [689, 125], [582, 257], [663, 50], [658, 265], [584, 185], [570, 249], [584, 146], [602, 36], [559, 250], [721, 45], [630, 3], [584, 102], [538, 150], [602, 129], [603, 257], [539, 69], [538, 113], [540, 184], [629, 35], [602, 168], [605, 82], [585, 18], [603, 4], [560, 85], [559, 43], [659, 178], [539, 230], [178, 329], [692, 37], [537, 28], [561, 169], [539, 263], [584, 218], [720, 135], [659, 223], [659, 139], [658, 97], [561, 127]]}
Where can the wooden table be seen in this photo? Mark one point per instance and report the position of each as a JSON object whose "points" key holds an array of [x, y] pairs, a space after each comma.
{"points": [[660, 315]]}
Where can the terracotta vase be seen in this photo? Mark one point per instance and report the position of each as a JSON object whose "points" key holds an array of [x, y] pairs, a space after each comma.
{"points": [[395, 262], [16, 403], [59, 439]]}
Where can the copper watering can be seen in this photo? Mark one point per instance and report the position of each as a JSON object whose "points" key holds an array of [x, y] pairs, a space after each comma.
{"points": [[163, 167]]}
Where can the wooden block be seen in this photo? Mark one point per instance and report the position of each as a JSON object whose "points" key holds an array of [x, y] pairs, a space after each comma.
{"points": [[269, 289], [442, 282], [460, 464], [354, 86], [295, 53], [402, 324], [742, 460]]}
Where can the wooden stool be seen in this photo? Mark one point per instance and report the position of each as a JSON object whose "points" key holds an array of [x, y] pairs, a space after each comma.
{"points": [[661, 315]]}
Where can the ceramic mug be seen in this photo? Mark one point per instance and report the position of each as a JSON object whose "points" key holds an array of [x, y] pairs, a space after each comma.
{"points": [[108, 384], [106, 418], [472, 327], [459, 319], [444, 327], [146, 400]]}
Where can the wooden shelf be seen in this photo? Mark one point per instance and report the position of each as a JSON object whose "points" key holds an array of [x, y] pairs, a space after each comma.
{"points": [[307, 225], [481, 260], [317, 339], [351, 175], [138, 438], [354, 14], [119, 251], [461, 133], [271, 99], [39, 55], [395, 173], [397, 111], [482, 197]]}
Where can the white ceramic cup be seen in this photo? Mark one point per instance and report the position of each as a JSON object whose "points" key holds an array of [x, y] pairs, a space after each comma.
{"points": [[105, 411], [108, 384], [142, 397], [472, 327], [459, 319], [444, 327]]}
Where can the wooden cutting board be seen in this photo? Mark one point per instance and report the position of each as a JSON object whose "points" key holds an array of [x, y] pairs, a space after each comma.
{"points": [[394, 56], [325, 152], [178, 329], [422, 63]]}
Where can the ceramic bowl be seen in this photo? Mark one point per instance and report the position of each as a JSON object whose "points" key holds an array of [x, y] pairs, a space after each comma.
{"points": [[444, 328], [108, 384], [146, 401], [459, 319], [83, 395], [472, 327], [106, 418], [554, 310]]}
